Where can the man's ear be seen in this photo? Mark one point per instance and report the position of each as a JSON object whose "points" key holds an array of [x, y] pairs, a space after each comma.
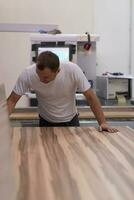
{"points": [[58, 70]]}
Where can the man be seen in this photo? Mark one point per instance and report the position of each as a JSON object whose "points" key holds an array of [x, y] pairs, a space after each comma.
{"points": [[55, 85]]}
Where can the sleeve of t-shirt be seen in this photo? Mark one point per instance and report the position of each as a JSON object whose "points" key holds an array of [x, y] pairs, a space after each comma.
{"points": [[22, 84], [81, 80]]}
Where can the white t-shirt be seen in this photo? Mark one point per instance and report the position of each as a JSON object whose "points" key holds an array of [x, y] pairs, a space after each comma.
{"points": [[56, 99]]}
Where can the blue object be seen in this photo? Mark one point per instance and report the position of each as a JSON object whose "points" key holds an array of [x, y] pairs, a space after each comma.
{"points": [[117, 73]]}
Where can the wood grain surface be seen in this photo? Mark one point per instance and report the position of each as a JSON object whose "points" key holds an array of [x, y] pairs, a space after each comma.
{"points": [[7, 187], [73, 163], [64, 163]]}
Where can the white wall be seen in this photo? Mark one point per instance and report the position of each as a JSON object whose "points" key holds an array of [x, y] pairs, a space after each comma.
{"points": [[112, 24], [132, 44], [14, 57], [109, 18], [71, 16], [132, 38]]}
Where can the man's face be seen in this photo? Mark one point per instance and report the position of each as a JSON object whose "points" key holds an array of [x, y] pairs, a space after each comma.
{"points": [[46, 75]]}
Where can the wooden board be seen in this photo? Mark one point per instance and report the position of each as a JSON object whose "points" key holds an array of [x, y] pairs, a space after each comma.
{"points": [[7, 189], [84, 113], [73, 163]]}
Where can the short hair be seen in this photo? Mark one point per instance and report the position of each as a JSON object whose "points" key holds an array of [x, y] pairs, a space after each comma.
{"points": [[49, 60]]}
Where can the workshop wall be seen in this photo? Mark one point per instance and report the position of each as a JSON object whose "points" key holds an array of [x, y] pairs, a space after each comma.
{"points": [[109, 19], [71, 16], [112, 23]]}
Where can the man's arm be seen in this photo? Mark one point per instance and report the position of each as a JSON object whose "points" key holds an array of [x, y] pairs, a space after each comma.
{"points": [[11, 101], [97, 110]]}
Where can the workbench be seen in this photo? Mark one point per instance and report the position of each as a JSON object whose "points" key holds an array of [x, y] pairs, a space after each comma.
{"points": [[73, 163]]}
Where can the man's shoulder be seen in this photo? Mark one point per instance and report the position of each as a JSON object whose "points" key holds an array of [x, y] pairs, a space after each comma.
{"points": [[69, 66], [28, 71], [31, 67]]}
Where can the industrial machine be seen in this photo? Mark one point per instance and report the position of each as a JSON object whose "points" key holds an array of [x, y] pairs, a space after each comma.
{"points": [[111, 86], [78, 48]]}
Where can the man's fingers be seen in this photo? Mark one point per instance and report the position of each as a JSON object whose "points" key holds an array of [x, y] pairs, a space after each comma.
{"points": [[108, 129], [112, 130], [100, 129]]}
